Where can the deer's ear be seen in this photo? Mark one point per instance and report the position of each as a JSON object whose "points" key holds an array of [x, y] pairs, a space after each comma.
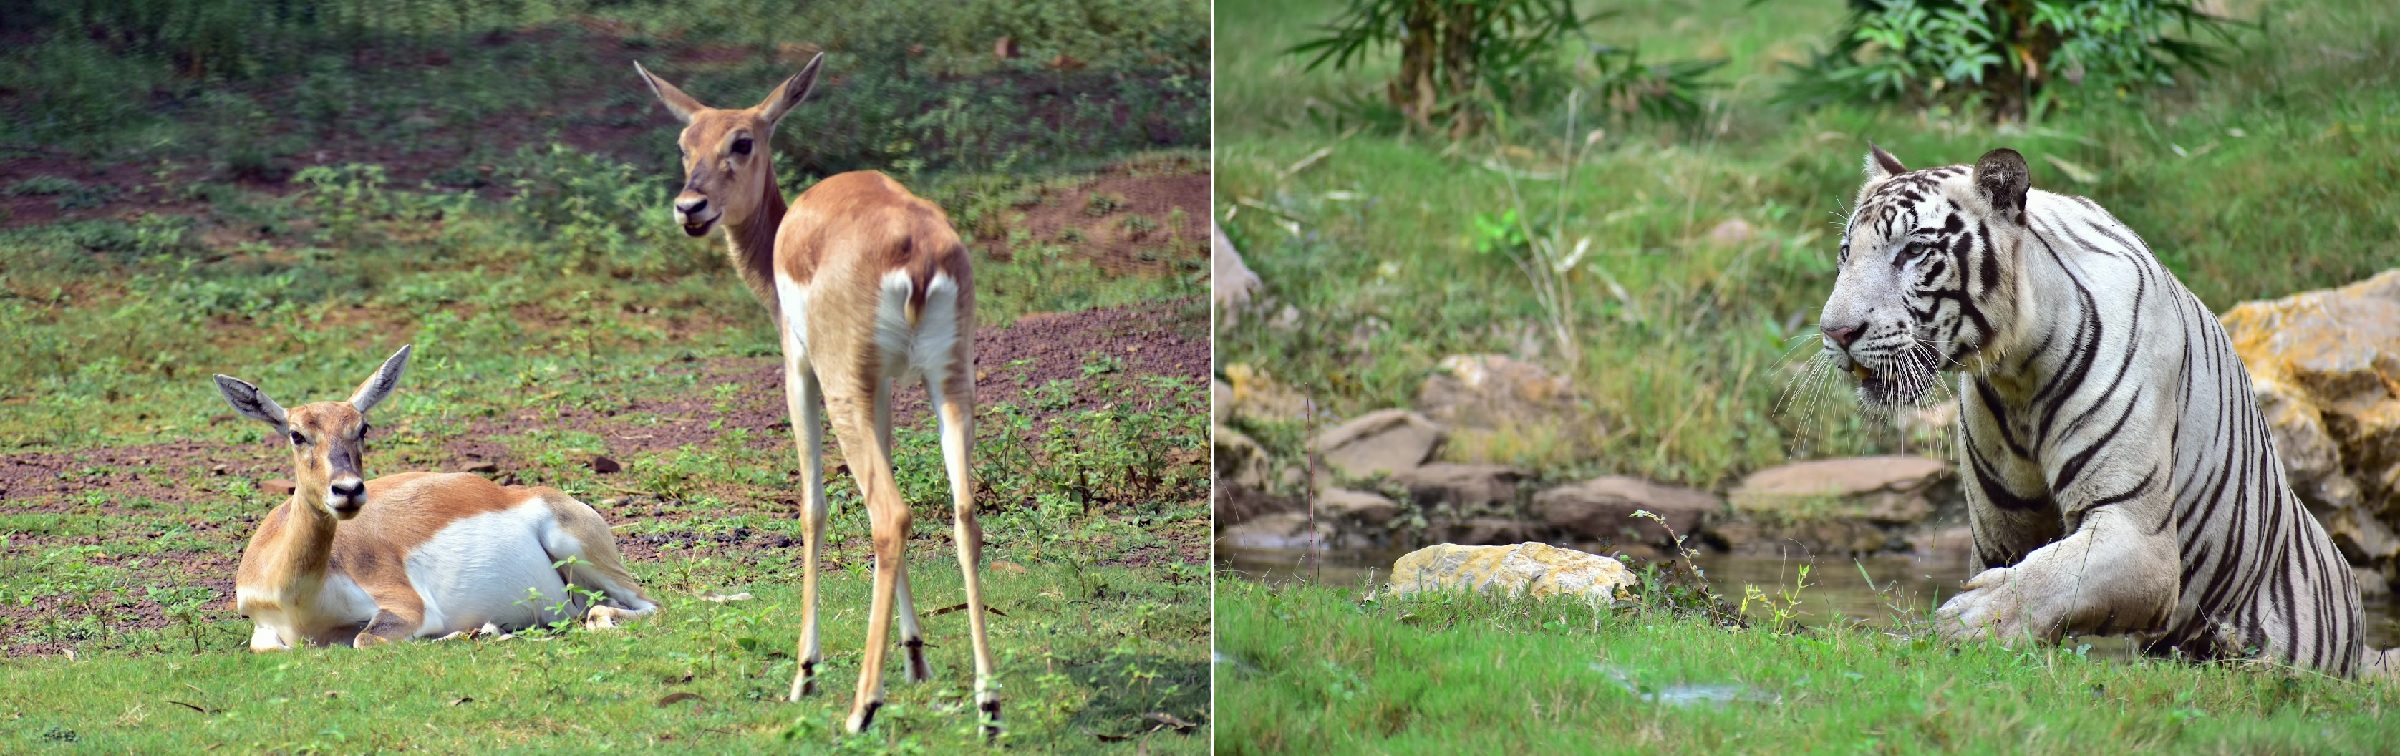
{"points": [[381, 383], [250, 401], [792, 92], [678, 103]]}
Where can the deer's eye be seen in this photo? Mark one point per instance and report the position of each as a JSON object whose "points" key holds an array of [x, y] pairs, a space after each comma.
{"points": [[299, 440], [741, 146]]}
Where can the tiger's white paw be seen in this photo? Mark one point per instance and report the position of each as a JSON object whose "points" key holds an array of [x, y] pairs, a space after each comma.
{"points": [[1995, 605]]}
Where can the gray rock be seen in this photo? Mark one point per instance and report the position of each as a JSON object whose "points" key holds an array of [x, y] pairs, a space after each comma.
{"points": [[1234, 283], [1237, 504], [1378, 443], [1238, 459], [1252, 394], [1287, 531], [1464, 486], [1894, 490], [1356, 506], [1481, 530], [1489, 391], [2363, 539], [2371, 585], [2312, 462], [1220, 401], [1603, 508]]}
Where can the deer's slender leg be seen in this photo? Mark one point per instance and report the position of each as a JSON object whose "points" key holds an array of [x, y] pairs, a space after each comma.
{"points": [[805, 399], [956, 403], [853, 427], [912, 636]]}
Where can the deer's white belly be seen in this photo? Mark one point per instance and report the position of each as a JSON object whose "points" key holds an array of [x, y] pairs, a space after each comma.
{"points": [[333, 615], [488, 568]]}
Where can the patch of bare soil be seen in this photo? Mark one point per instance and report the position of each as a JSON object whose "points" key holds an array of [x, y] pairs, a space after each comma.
{"points": [[108, 190], [117, 611], [46, 481], [1125, 223], [1037, 349]]}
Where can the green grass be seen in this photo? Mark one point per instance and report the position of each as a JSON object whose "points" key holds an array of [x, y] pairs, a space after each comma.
{"points": [[1095, 650], [2280, 175], [1314, 669], [493, 189]]}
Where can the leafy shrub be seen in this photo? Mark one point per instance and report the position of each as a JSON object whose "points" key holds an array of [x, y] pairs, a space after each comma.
{"points": [[41, 186], [351, 200], [1662, 90], [1464, 62], [987, 123], [237, 39], [1452, 52], [2010, 58], [598, 211], [144, 237]]}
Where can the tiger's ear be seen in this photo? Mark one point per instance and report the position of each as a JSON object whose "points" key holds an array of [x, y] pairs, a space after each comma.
{"points": [[2002, 179], [1881, 165]]}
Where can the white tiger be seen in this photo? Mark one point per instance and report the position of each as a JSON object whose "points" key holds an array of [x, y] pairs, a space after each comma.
{"points": [[2118, 475]]}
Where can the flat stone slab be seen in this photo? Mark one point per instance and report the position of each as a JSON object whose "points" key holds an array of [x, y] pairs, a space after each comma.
{"points": [[1890, 490], [1378, 443], [1603, 508]]}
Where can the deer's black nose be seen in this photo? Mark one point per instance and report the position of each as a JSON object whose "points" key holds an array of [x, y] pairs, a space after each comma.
{"points": [[1842, 336], [350, 489], [690, 205]]}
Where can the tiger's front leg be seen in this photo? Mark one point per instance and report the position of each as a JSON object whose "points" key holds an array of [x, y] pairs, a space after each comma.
{"points": [[2112, 575]]}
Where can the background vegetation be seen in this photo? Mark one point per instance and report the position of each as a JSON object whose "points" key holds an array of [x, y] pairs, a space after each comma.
{"points": [[1692, 256], [286, 191], [2014, 59]]}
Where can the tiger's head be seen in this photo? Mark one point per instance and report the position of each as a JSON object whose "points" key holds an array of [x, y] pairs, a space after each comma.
{"points": [[1927, 272]]}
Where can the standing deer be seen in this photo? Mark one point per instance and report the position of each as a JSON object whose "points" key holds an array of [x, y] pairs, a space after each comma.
{"points": [[435, 553], [868, 285]]}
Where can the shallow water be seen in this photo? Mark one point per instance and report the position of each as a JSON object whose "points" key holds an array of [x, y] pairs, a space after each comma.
{"points": [[1837, 589]]}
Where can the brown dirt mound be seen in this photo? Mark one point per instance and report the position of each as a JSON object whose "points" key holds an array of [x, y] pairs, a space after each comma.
{"points": [[1125, 223]]}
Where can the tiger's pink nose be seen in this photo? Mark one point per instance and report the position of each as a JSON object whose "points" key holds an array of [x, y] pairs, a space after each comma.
{"points": [[1842, 336]]}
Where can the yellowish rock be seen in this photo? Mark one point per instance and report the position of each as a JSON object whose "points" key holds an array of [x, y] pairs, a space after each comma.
{"points": [[2325, 368], [1535, 569], [1255, 395]]}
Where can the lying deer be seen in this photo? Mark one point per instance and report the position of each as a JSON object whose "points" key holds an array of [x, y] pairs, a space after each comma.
{"points": [[437, 553]]}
